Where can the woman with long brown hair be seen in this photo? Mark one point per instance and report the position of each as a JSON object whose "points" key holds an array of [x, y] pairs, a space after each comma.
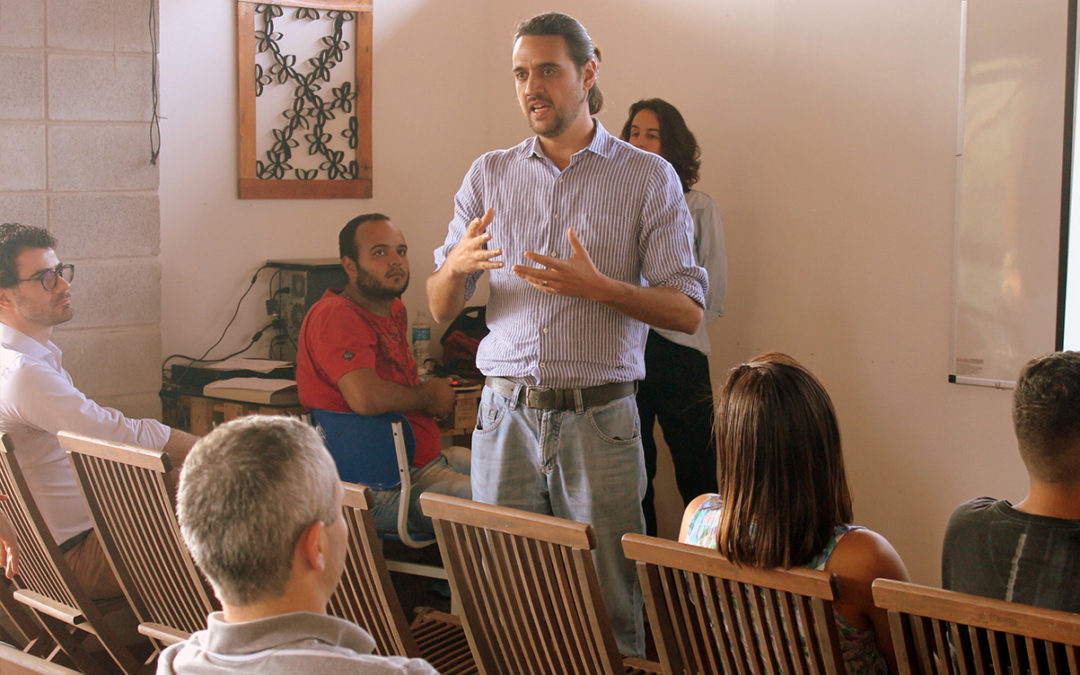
{"points": [[783, 499]]}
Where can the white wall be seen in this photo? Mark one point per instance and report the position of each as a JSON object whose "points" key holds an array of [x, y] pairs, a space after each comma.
{"points": [[828, 134], [425, 135]]}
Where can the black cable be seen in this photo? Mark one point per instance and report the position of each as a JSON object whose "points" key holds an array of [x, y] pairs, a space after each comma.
{"points": [[278, 341], [276, 276], [155, 126], [283, 336], [254, 338], [272, 307], [236, 311], [203, 359]]}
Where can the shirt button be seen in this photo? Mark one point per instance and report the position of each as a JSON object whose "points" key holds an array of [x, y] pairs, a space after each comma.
{"points": [[556, 216], [543, 365], [546, 329]]}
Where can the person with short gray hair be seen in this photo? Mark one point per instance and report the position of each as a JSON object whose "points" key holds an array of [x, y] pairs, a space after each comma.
{"points": [[246, 497], [259, 506]]}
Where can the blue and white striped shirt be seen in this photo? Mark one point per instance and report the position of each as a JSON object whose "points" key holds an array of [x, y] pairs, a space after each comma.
{"points": [[628, 211]]}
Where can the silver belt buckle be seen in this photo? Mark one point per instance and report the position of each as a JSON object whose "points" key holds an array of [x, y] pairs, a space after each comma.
{"points": [[538, 397]]}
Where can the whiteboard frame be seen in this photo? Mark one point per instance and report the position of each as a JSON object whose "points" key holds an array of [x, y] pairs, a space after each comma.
{"points": [[1007, 220]]}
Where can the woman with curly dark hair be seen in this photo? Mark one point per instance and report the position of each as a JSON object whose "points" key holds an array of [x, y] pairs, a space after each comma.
{"points": [[677, 391]]}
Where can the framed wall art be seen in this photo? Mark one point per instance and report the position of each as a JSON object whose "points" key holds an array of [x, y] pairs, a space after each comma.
{"points": [[304, 99]]}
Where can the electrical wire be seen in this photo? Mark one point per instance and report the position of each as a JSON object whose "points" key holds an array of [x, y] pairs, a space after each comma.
{"points": [[278, 342], [270, 293], [155, 125], [283, 337], [203, 359], [251, 343]]}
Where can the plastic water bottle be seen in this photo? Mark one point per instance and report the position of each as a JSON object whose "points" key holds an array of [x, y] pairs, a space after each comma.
{"points": [[421, 344]]}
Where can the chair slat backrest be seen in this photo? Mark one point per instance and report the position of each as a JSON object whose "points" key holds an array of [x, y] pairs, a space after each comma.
{"points": [[939, 631], [709, 615], [18, 625], [45, 582], [366, 595], [132, 505], [37, 549], [527, 587]]}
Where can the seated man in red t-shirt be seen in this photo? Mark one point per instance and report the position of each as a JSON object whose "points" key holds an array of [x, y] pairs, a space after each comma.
{"points": [[353, 356]]}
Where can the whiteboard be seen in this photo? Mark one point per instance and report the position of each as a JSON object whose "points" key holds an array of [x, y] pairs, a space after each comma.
{"points": [[1009, 165]]}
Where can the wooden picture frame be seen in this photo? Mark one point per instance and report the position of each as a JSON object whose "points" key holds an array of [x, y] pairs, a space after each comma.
{"points": [[345, 169]]}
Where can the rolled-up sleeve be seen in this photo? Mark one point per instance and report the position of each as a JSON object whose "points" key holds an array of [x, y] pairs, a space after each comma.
{"points": [[667, 238], [468, 205]]}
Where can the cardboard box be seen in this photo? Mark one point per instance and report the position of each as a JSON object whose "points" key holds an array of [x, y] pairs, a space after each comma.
{"points": [[466, 405]]}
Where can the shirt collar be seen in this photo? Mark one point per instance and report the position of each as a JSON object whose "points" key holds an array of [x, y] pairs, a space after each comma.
{"points": [[24, 344], [602, 144], [248, 637], [338, 295]]}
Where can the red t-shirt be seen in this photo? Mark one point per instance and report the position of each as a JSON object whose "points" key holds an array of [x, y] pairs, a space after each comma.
{"points": [[339, 336]]}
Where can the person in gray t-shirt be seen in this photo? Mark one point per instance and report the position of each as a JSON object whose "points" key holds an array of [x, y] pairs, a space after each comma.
{"points": [[259, 506], [1029, 552]]}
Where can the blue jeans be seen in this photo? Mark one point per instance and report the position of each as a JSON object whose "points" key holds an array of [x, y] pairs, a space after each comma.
{"points": [[447, 474], [584, 465]]}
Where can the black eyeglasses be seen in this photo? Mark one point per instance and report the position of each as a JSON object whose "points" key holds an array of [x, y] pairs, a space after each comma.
{"points": [[50, 278]]}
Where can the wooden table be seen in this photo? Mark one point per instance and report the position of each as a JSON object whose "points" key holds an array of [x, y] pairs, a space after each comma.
{"points": [[198, 414], [187, 410]]}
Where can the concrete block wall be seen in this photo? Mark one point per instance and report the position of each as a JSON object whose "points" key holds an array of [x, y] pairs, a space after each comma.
{"points": [[75, 106]]}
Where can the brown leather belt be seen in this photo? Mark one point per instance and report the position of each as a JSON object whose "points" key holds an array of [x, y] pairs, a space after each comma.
{"points": [[545, 398]]}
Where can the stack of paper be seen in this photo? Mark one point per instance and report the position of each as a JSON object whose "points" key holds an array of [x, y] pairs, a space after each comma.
{"points": [[254, 390]]}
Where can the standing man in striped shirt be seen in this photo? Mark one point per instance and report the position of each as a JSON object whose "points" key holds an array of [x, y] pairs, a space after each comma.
{"points": [[587, 242]]}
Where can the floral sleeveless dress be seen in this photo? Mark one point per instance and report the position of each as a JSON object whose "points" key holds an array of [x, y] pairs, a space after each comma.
{"points": [[861, 655]]}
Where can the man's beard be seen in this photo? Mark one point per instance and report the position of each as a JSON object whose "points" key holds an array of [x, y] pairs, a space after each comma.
{"points": [[52, 314], [562, 118], [371, 287]]}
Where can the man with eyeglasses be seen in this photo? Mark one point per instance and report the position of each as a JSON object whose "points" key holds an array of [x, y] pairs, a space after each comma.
{"points": [[38, 399]]}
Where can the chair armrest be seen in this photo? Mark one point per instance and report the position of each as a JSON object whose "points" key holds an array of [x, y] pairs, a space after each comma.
{"points": [[163, 634]]}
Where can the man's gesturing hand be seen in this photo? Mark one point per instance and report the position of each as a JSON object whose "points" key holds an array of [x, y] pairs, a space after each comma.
{"points": [[576, 276], [470, 255]]}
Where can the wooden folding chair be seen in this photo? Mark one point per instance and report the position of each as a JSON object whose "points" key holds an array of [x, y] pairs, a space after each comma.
{"points": [[132, 504], [19, 626], [939, 631], [45, 582], [709, 615], [15, 662], [366, 596], [528, 590]]}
